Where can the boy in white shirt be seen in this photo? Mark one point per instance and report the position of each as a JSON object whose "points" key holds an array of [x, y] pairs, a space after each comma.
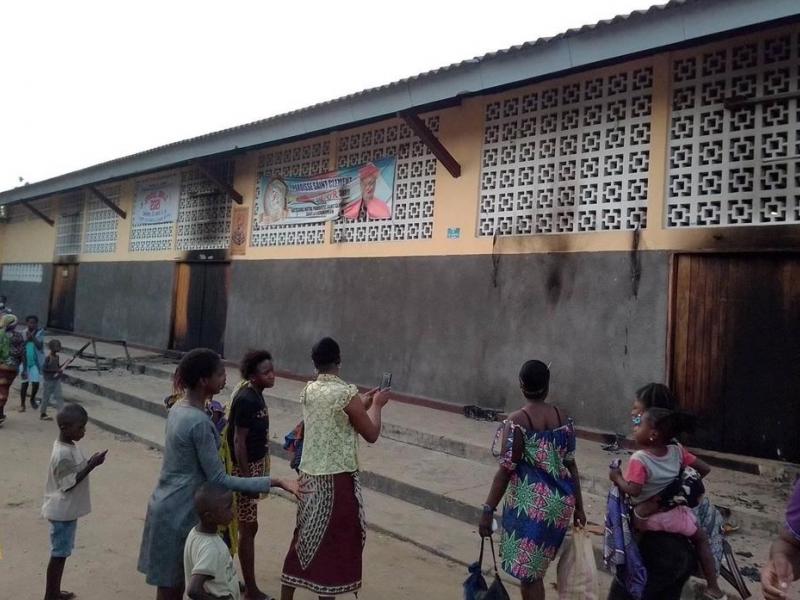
{"points": [[207, 562], [66, 496]]}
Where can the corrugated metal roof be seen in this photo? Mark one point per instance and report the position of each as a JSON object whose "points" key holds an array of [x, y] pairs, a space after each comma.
{"points": [[673, 23]]}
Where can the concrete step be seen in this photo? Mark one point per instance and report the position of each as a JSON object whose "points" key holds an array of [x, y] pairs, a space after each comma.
{"points": [[419, 425], [410, 463], [389, 514], [446, 484]]}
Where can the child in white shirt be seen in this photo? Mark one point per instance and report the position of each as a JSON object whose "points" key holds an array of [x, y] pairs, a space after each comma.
{"points": [[66, 496], [207, 562]]}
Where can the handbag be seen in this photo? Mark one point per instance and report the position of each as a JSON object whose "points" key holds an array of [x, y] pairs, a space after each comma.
{"points": [[686, 489], [475, 587], [293, 443]]}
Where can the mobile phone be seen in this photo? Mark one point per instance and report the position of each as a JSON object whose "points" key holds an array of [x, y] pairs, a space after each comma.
{"points": [[386, 381]]}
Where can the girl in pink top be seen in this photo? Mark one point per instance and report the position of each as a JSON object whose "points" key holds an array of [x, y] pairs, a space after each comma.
{"points": [[651, 470]]}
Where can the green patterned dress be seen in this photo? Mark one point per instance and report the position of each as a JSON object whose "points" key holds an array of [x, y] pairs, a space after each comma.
{"points": [[540, 498]]}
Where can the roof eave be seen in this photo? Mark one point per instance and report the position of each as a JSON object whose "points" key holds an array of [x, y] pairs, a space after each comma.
{"points": [[677, 23]]}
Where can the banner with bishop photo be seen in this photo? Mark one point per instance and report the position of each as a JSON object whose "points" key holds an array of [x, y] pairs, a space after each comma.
{"points": [[350, 192], [157, 200]]}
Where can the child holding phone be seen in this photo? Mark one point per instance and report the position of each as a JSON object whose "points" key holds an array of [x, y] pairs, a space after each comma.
{"points": [[66, 496]]}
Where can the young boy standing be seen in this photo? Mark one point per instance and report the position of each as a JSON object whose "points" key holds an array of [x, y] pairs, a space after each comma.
{"points": [[66, 496], [51, 372], [207, 562]]}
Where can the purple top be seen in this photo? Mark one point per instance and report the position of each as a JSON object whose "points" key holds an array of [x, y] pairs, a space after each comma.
{"points": [[793, 512]]}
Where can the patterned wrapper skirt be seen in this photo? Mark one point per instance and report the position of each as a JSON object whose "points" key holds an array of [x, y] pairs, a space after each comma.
{"points": [[7, 376], [247, 507], [325, 555]]}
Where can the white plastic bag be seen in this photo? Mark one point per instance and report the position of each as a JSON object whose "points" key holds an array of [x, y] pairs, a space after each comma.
{"points": [[577, 571]]}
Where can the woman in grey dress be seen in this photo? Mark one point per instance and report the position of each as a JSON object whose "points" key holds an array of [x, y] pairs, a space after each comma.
{"points": [[190, 459]]}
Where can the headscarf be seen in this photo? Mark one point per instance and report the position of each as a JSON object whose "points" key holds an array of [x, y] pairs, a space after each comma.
{"points": [[8, 321]]}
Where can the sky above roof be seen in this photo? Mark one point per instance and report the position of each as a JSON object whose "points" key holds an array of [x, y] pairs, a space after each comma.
{"points": [[89, 81]]}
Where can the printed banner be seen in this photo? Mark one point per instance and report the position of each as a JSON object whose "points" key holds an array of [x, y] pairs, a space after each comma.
{"points": [[157, 200], [239, 217], [365, 189]]}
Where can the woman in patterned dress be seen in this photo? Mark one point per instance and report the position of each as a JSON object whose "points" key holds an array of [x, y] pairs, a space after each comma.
{"points": [[325, 554], [538, 470]]}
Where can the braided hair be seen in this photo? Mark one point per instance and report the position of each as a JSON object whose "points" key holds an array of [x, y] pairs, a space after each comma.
{"points": [[656, 395], [669, 423]]}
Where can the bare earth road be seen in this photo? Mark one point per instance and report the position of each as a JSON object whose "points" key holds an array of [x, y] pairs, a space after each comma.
{"points": [[104, 563]]}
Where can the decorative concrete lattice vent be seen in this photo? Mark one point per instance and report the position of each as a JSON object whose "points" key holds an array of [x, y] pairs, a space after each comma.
{"points": [[734, 154], [25, 272], [102, 223], [568, 158]]}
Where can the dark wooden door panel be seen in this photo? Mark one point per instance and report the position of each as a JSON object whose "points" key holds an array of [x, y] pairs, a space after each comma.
{"points": [[201, 302], [736, 350], [761, 412], [62, 297], [194, 309], [215, 306]]}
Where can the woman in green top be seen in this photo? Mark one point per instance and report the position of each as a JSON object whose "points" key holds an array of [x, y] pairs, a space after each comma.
{"points": [[325, 555]]}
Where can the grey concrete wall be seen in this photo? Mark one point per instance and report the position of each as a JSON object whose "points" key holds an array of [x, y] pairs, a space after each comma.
{"points": [[125, 300], [458, 328], [26, 298]]}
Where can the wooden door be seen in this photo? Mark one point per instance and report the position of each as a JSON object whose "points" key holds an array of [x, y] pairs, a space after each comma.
{"points": [[62, 297], [201, 306], [214, 312], [736, 351]]}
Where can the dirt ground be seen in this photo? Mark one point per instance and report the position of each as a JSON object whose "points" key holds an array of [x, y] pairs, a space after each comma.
{"points": [[103, 565], [104, 562]]}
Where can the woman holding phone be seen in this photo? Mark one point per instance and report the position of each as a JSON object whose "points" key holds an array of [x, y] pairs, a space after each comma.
{"points": [[326, 549]]}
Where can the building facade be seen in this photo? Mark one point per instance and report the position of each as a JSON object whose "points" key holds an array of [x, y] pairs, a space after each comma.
{"points": [[635, 219]]}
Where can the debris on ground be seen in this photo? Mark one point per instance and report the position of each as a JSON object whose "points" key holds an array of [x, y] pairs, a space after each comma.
{"points": [[481, 414], [752, 573]]}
